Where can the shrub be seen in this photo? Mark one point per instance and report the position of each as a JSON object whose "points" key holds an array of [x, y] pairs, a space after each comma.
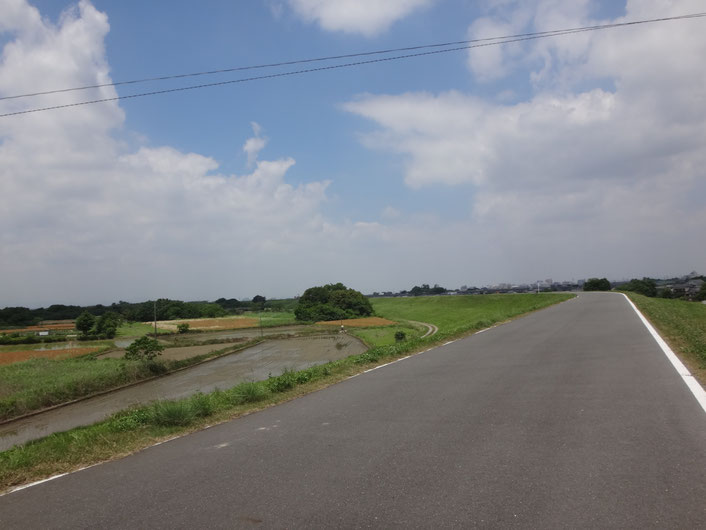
{"points": [[400, 336], [202, 405], [283, 382], [249, 392], [183, 327], [143, 349], [172, 413]]}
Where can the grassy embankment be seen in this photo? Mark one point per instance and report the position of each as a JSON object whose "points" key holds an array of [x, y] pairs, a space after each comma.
{"points": [[683, 325], [140, 427]]}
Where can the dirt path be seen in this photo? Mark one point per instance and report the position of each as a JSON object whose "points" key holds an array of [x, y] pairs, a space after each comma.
{"points": [[431, 328], [256, 363]]}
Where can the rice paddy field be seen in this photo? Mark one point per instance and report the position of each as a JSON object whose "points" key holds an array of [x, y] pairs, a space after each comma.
{"points": [[253, 320], [9, 357]]}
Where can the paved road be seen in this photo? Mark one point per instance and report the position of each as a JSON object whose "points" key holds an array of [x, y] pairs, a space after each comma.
{"points": [[568, 418]]}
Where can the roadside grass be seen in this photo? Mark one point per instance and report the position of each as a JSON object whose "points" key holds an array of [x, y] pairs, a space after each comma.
{"points": [[453, 314], [134, 429], [682, 324]]}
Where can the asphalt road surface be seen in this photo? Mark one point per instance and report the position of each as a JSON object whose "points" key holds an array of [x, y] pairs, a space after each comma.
{"points": [[571, 417]]}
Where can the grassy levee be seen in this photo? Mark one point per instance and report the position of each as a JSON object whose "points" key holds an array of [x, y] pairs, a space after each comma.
{"points": [[457, 314], [682, 324], [384, 335], [137, 428]]}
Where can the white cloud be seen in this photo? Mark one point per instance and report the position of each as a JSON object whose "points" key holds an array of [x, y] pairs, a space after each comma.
{"points": [[82, 213], [254, 145], [600, 174], [390, 212], [368, 17]]}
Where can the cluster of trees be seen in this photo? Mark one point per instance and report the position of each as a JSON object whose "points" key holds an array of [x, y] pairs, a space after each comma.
{"points": [[134, 312], [596, 284], [332, 302], [646, 286], [426, 290], [104, 326]]}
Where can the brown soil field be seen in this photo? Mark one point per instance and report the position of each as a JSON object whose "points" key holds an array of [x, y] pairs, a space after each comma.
{"points": [[9, 357], [48, 327], [360, 322], [179, 353], [210, 323]]}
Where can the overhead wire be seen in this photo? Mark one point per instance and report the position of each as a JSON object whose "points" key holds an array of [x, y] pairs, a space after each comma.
{"points": [[456, 46]]}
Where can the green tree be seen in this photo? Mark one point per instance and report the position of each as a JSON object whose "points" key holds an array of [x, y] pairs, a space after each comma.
{"points": [[701, 295], [143, 349], [332, 302], [85, 323], [646, 287], [596, 284], [258, 302], [108, 324]]}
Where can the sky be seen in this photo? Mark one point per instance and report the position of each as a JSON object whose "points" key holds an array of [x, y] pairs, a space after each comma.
{"points": [[566, 158]]}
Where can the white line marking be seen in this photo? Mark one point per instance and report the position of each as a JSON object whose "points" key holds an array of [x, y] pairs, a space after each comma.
{"points": [[37, 483], [682, 370]]}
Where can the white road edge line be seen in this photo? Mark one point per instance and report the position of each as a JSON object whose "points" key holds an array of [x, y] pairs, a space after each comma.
{"points": [[37, 483], [682, 370]]}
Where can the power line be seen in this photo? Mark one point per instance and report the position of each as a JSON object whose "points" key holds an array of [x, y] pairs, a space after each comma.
{"points": [[465, 45], [352, 55]]}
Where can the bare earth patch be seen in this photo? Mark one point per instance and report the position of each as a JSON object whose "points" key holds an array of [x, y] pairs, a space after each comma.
{"points": [[9, 357], [176, 354], [210, 323], [359, 322], [46, 327]]}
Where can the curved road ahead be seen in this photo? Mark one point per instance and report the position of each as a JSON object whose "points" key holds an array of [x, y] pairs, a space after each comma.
{"points": [[571, 417]]}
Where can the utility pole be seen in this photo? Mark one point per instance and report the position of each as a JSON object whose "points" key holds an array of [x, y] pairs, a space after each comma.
{"points": [[155, 319]]}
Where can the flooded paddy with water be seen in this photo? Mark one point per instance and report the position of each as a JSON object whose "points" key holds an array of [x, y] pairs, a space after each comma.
{"points": [[270, 357]]}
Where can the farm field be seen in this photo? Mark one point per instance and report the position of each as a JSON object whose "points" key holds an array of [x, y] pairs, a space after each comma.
{"points": [[47, 327], [264, 318], [9, 357], [38, 383], [358, 322]]}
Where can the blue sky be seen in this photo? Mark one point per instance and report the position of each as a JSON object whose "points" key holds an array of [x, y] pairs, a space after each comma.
{"points": [[559, 158]]}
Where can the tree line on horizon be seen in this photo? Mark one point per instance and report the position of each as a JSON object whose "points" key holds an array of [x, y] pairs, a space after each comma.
{"points": [[12, 317]]}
